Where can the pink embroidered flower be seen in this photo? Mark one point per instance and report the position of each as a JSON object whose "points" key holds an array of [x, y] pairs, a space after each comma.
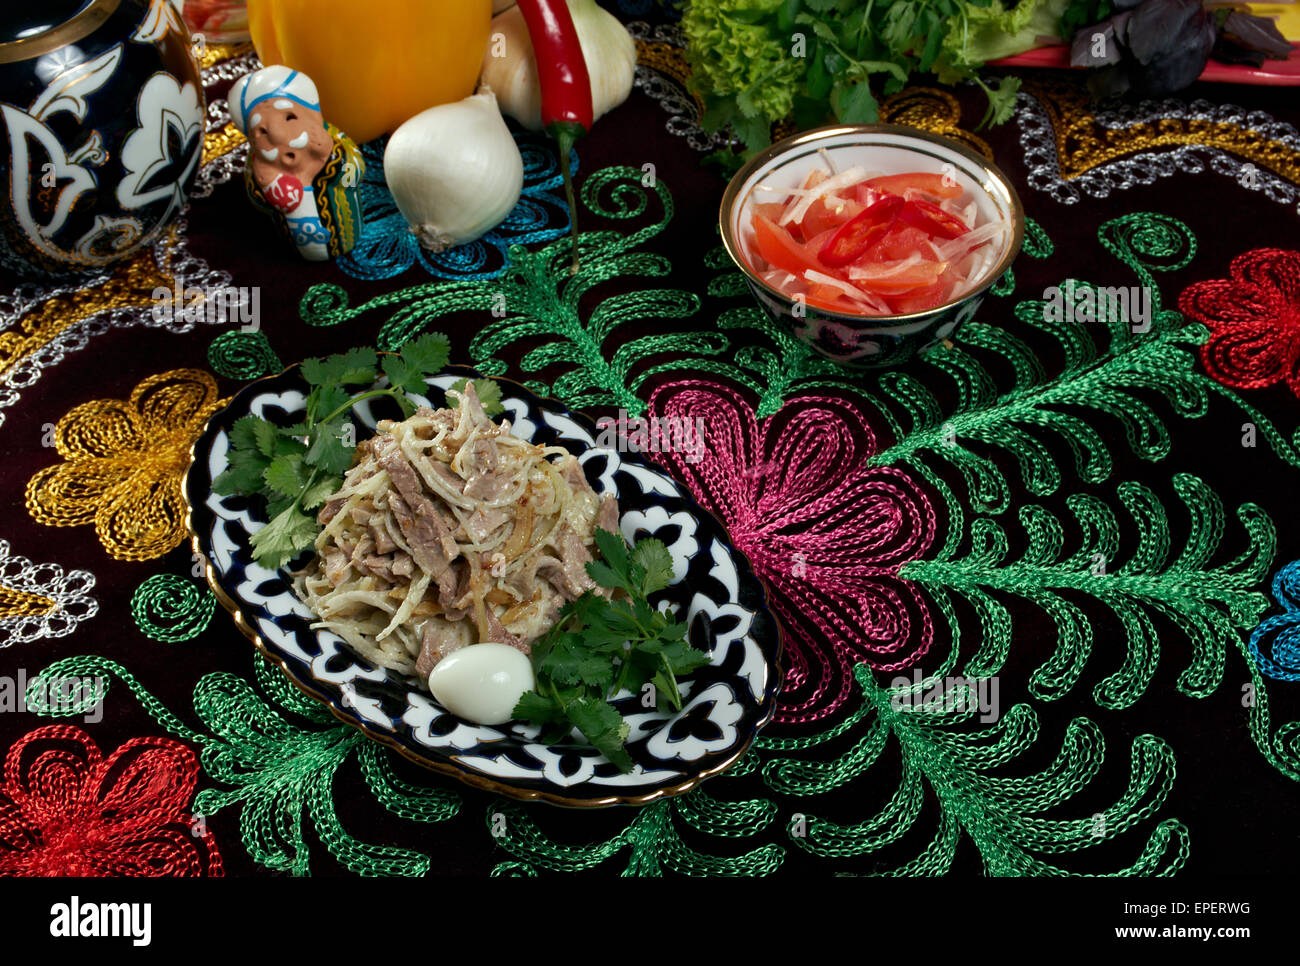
{"points": [[1254, 320], [67, 811], [825, 530]]}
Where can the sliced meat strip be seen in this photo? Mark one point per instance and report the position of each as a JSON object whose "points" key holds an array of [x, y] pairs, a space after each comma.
{"points": [[358, 553], [454, 594], [337, 565], [381, 567], [446, 474], [383, 542], [440, 419], [482, 479], [524, 580], [571, 471], [330, 510], [497, 634], [421, 533], [607, 515], [437, 640], [482, 522], [473, 409]]}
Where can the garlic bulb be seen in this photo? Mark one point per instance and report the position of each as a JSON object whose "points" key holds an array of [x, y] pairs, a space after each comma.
{"points": [[454, 171], [510, 68]]}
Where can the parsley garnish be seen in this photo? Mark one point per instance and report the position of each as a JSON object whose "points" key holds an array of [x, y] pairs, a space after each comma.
{"points": [[296, 468], [600, 647], [488, 392]]}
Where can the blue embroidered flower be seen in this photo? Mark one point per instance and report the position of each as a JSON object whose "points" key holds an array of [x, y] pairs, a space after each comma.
{"points": [[1282, 631], [386, 247]]}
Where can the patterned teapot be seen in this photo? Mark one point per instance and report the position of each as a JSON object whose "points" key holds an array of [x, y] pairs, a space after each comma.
{"points": [[102, 113]]}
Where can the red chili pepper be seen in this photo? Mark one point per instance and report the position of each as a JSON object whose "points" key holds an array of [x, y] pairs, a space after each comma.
{"points": [[860, 232], [566, 86], [931, 218]]}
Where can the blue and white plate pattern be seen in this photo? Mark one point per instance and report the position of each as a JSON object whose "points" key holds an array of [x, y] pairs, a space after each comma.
{"points": [[724, 703]]}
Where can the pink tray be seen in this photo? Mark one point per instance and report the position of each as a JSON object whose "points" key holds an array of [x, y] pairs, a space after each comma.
{"points": [[1274, 73]]}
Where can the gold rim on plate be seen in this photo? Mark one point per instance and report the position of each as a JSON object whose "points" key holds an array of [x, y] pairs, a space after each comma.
{"points": [[474, 779]]}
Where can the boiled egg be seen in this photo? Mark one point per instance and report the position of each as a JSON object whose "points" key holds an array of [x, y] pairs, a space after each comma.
{"points": [[482, 682]]}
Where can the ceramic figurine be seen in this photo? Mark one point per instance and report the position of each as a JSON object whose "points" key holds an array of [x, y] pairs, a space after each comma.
{"points": [[101, 131], [302, 170]]}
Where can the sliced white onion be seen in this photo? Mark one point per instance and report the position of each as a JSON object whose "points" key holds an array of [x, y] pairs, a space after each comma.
{"points": [[844, 179], [890, 268], [976, 236], [851, 291]]}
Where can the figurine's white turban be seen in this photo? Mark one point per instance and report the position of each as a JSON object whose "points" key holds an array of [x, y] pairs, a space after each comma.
{"points": [[276, 82]]}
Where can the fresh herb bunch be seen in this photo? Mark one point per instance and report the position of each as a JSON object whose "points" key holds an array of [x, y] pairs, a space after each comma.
{"points": [[601, 646], [1153, 48], [297, 468], [756, 62]]}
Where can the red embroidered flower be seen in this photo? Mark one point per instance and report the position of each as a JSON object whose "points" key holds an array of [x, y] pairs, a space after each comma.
{"points": [[1254, 320], [827, 531], [66, 811]]}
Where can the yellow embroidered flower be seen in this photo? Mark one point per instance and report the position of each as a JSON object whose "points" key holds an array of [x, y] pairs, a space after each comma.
{"points": [[124, 464]]}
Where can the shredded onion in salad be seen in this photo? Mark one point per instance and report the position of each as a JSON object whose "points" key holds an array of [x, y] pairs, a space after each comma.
{"points": [[893, 260], [844, 179]]}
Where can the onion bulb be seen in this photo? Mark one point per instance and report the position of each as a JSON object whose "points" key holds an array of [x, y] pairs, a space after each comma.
{"points": [[454, 171], [510, 66]]}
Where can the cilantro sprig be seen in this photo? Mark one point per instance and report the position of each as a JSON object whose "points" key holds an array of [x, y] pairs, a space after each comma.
{"points": [[601, 646], [296, 468]]}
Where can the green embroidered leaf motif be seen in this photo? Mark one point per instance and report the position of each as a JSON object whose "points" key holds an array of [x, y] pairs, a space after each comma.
{"points": [[1015, 421], [653, 842], [1210, 605], [1006, 818], [537, 298], [1114, 363]]}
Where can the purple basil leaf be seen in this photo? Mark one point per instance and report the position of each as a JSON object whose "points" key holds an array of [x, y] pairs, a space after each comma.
{"points": [[1227, 52], [1180, 67], [1258, 34], [1083, 50], [1158, 28]]}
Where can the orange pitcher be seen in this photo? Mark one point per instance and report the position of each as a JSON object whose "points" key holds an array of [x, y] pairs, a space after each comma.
{"points": [[376, 63]]}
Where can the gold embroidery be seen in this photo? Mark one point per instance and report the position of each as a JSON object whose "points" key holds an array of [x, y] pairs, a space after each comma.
{"points": [[669, 61], [931, 110], [124, 460], [22, 603], [221, 142], [1083, 144], [216, 53], [131, 284]]}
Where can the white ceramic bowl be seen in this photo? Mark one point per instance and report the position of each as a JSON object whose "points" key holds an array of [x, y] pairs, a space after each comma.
{"points": [[870, 340]]}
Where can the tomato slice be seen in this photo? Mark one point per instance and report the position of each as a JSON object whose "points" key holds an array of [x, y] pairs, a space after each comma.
{"points": [[921, 299], [932, 184], [822, 216], [860, 232], [932, 219], [828, 297], [918, 276], [900, 242], [780, 250]]}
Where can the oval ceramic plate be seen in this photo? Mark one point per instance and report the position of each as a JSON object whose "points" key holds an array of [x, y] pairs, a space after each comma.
{"points": [[714, 590]]}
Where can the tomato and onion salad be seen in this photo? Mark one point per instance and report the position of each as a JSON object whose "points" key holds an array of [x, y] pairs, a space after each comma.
{"points": [[886, 245]]}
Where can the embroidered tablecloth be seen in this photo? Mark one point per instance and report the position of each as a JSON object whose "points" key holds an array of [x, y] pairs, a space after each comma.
{"points": [[1092, 521]]}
